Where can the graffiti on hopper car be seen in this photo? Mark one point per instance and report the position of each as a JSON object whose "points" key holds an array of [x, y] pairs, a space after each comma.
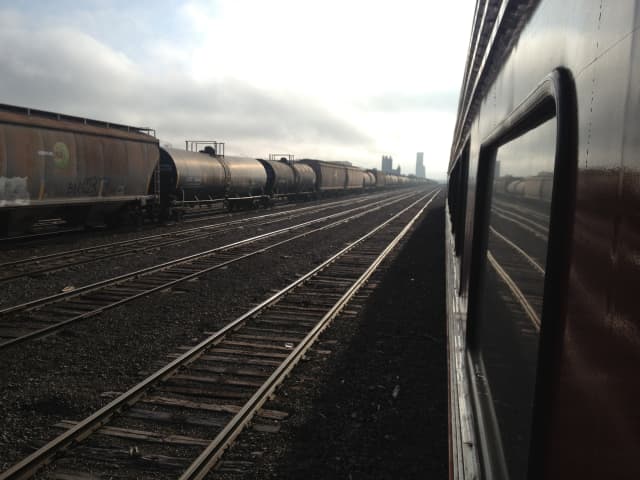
{"points": [[13, 191], [87, 186], [59, 154]]}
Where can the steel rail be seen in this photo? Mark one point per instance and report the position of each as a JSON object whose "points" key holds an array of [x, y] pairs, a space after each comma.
{"points": [[37, 236], [159, 235], [530, 259], [185, 277], [47, 453], [507, 212], [138, 244], [113, 280], [516, 207], [517, 293], [201, 466], [78, 229]]}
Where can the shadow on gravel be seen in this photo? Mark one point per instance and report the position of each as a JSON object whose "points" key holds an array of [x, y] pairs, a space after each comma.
{"points": [[383, 412]]}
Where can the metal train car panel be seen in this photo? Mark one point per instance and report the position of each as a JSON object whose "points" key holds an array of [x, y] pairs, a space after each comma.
{"points": [[543, 200], [305, 178], [190, 176], [391, 179], [329, 176], [50, 163], [355, 178], [381, 178], [280, 177], [247, 177], [369, 179]]}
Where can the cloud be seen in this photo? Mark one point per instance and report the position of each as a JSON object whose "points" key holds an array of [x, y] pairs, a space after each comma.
{"points": [[437, 101], [69, 71], [329, 79]]}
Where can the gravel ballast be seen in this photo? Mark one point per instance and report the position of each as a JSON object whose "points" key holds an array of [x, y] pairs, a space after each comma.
{"points": [[376, 406], [62, 376]]}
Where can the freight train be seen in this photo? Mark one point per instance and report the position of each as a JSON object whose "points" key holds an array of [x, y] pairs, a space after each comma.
{"points": [[87, 171], [543, 242]]}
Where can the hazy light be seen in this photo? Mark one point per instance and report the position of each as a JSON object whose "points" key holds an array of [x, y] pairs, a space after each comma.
{"points": [[330, 79]]}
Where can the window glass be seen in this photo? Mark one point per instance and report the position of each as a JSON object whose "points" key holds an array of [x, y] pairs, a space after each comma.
{"points": [[462, 199], [510, 308]]}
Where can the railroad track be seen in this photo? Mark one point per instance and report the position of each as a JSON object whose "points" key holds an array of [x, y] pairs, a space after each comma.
{"points": [[39, 235], [54, 227], [40, 317], [515, 206], [539, 230], [179, 420], [521, 275], [58, 261]]}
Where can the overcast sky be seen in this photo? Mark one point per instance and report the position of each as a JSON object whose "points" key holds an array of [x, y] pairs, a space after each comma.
{"points": [[330, 79]]}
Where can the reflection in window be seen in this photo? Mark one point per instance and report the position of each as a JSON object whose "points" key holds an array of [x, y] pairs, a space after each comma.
{"points": [[507, 331]]}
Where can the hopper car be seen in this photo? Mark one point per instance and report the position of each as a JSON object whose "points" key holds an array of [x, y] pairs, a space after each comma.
{"points": [[54, 165], [543, 242]]}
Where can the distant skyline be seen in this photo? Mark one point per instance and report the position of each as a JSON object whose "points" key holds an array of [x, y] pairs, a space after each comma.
{"points": [[325, 79], [420, 165]]}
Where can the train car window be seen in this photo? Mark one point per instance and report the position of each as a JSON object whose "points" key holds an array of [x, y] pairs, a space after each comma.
{"points": [[518, 272], [452, 195], [461, 200], [507, 325]]}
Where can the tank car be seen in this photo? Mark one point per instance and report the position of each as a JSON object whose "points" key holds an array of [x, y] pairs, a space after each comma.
{"points": [[247, 181], [281, 179], [380, 178], [289, 179], [194, 178], [516, 188], [392, 180], [538, 187], [305, 179], [80, 170], [187, 177], [543, 322], [501, 184], [369, 179]]}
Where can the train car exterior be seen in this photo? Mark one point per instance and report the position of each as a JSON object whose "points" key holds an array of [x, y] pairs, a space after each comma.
{"points": [[330, 176], [369, 179], [247, 177], [281, 179], [194, 178], [355, 178], [191, 176], [305, 178], [543, 242], [53, 165], [391, 180], [380, 178]]}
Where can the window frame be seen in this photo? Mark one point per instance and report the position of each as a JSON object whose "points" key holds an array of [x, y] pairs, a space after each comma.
{"points": [[554, 97], [461, 200]]}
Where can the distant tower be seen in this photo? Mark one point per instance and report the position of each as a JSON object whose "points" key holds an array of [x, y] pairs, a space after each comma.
{"points": [[420, 165], [387, 163]]}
